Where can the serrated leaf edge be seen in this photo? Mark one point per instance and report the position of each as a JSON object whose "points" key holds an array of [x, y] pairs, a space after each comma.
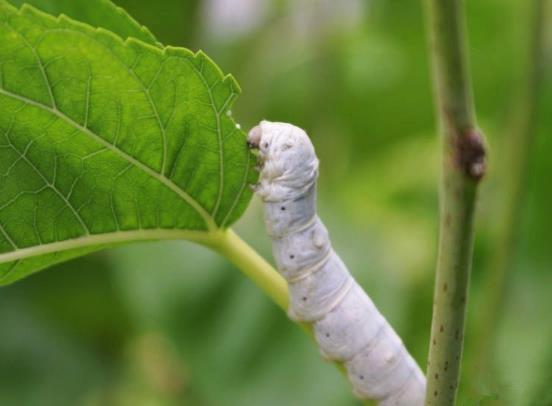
{"points": [[204, 237]]}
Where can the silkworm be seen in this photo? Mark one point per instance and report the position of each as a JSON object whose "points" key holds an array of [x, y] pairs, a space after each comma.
{"points": [[347, 326]]}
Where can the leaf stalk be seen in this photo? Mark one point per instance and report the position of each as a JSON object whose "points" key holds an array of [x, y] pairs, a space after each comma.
{"points": [[256, 268], [251, 264]]}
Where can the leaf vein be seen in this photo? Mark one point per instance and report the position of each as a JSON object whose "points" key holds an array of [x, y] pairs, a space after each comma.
{"points": [[151, 234], [49, 184], [8, 237], [218, 132], [161, 178], [9, 271]]}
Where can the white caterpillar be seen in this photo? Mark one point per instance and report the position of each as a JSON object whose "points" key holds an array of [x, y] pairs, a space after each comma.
{"points": [[347, 325]]}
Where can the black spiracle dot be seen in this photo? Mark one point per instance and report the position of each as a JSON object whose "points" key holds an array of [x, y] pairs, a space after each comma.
{"points": [[304, 298], [266, 145], [291, 256], [327, 335], [361, 377], [283, 208]]}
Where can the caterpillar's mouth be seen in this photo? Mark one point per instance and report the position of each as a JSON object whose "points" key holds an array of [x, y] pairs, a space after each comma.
{"points": [[253, 142], [254, 137]]}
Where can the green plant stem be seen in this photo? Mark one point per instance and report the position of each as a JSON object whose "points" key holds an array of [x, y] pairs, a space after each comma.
{"points": [[463, 167], [256, 268], [513, 175]]}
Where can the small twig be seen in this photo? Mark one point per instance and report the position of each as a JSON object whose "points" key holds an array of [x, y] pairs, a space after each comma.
{"points": [[463, 167]]}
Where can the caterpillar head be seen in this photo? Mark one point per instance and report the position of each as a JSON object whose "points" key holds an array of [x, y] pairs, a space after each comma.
{"points": [[289, 166]]}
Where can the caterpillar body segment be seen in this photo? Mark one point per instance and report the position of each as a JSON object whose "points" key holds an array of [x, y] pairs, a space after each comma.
{"points": [[347, 326]]}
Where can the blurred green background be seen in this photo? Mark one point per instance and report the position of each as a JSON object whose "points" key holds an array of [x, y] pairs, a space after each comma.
{"points": [[174, 324]]}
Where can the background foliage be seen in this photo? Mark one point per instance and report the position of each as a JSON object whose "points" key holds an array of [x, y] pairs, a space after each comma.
{"points": [[172, 323]]}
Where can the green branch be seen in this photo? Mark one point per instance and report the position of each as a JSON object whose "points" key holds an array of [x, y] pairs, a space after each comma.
{"points": [[463, 167]]}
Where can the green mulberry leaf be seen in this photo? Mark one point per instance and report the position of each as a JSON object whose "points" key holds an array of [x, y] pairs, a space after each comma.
{"points": [[105, 141], [97, 13]]}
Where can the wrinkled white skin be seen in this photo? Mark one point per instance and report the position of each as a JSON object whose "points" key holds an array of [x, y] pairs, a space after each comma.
{"points": [[347, 325]]}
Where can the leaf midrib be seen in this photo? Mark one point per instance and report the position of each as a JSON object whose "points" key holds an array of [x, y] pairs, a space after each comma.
{"points": [[203, 237], [209, 221]]}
